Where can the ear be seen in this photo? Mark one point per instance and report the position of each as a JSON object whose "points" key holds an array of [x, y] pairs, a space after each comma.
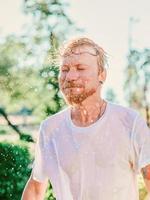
{"points": [[102, 75]]}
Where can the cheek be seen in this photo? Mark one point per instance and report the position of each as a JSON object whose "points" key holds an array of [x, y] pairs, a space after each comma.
{"points": [[90, 81], [86, 81], [61, 78], [61, 82], [92, 76]]}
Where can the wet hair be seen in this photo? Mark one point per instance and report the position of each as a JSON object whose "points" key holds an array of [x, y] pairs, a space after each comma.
{"points": [[69, 48]]}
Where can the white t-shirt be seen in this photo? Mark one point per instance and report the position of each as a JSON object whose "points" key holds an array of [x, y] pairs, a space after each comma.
{"points": [[98, 162]]}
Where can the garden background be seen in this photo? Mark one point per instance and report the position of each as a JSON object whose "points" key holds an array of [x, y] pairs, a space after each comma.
{"points": [[30, 34]]}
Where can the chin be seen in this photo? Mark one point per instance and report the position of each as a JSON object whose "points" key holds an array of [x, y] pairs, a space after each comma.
{"points": [[74, 99]]}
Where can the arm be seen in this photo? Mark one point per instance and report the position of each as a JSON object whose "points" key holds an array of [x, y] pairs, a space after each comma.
{"points": [[146, 176], [34, 190], [38, 181]]}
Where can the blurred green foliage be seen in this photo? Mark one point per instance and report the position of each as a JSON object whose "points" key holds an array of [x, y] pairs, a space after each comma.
{"points": [[137, 81], [3, 132], [15, 168]]}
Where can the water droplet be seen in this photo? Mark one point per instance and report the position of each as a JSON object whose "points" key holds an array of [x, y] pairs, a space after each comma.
{"points": [[49, 87], [35, 89], [51, 73], [44, 75], [85, 112]]}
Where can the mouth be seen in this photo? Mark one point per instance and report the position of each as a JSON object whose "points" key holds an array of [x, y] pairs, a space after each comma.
{"points": [[72, 87]]}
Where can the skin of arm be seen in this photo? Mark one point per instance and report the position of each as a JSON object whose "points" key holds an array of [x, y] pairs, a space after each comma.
{"points": [[146, 175], [34, 190]]}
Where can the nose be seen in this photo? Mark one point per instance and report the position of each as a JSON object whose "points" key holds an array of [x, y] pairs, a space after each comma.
{"points": [[72, 75]]}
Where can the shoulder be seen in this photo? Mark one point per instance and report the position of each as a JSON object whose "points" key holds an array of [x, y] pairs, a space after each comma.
{"points": [[53, 121], [121, 109], [126, 115]]}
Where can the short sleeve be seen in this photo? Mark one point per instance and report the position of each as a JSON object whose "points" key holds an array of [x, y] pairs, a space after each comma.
{"points": [[141, 141], [38, 171]]}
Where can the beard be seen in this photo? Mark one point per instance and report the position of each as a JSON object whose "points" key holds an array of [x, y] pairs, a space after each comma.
{"points": [[77, 98]]}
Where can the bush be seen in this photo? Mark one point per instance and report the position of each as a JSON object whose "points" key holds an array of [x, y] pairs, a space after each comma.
{"points": [[15, 169]]}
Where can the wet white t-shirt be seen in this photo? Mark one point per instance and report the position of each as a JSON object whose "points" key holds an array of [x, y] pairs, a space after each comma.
{"points": [[98, 162]]}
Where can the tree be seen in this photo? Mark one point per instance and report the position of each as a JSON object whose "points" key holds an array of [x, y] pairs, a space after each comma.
{"points": [[50, 26], [110, 95], [49, 21], [137, 84]]}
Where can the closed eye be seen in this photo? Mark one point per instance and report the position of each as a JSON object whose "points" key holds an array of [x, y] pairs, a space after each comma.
{"points": [[64, 70], [80, 67]]}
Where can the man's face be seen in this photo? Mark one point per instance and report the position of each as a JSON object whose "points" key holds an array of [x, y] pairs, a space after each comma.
{"points": [[78, 78]]}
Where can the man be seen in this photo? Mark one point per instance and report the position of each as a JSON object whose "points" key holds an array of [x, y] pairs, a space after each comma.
{"points": [[93, 149]]}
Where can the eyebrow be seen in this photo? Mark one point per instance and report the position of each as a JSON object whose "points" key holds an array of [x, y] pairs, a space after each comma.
{"points": [[68, 65]]}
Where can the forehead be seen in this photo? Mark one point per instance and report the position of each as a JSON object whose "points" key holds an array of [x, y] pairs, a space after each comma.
{"points": [[81, 55]]}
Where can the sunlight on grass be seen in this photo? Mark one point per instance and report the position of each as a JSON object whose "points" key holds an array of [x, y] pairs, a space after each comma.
{"points": [[142, 189]]}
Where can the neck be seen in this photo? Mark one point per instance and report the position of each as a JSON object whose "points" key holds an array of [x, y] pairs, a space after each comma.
{"points": [[88, 111]]}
